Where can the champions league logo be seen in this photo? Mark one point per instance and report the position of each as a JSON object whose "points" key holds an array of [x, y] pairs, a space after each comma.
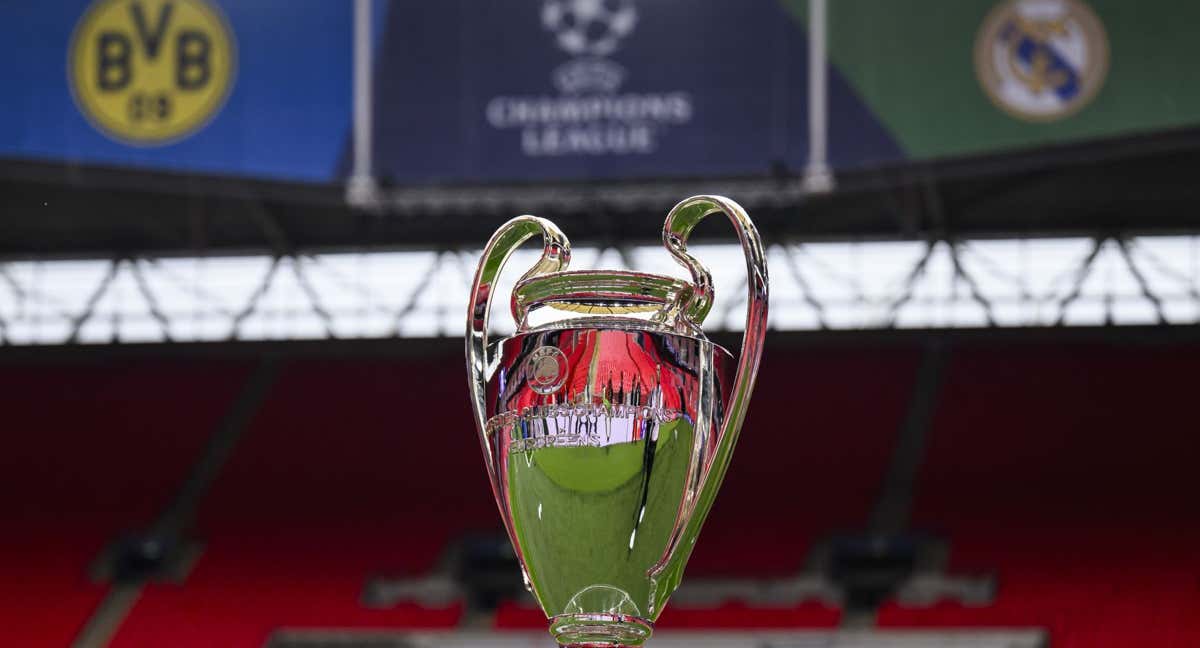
{"points": [[591, 30], [592, 27], [1041, 60], [589, 116]]}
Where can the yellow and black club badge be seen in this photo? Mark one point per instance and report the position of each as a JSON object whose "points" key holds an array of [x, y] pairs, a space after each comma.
{"points": [[151, 72]]}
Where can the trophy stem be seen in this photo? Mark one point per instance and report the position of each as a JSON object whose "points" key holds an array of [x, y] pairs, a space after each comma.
{"points": [[600, 630]]}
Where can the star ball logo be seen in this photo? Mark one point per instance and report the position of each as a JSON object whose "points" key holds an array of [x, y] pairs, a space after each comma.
{"points": [[1041, 60], [592, 27], [590, 116]]}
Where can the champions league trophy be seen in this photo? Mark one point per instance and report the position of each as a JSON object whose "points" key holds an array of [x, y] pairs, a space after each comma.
{"points": [[608, 420]]}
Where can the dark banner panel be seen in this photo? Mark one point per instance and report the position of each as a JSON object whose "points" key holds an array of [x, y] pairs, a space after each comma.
{"points": [[564, 89]]}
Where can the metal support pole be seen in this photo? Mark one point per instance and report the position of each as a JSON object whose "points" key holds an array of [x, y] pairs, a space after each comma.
{"points": [[361, 189], [818, 178]]}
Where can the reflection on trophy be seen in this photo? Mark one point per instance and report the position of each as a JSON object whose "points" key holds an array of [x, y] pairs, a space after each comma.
{"points": [[608, 420]]}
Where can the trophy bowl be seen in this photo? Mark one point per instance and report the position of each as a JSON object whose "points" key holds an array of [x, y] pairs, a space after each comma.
{"points": [[608, 420]]}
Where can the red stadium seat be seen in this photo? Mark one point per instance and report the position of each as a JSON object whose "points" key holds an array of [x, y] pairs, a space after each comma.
{"points": [[511, 615], [1066, 471], [93, 448], [351, 468], [740, 616], [817, 440]]}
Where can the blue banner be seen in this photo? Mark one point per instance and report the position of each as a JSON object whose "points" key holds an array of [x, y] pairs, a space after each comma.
{"points": [[285, 113]]}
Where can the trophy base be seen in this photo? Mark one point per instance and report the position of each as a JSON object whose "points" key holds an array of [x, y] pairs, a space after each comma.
{"points": [[600, 630]]}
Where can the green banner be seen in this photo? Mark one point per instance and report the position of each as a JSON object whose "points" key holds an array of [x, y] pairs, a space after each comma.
{"points": [[965, 77]]}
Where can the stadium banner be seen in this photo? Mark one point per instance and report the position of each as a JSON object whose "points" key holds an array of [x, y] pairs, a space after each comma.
{"points": [[614, 89], [488, 91], [970, 77], [256, 89]]}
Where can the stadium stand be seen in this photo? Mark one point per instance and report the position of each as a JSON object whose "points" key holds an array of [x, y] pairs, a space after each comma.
{"points": [[351, 467], [324, 491], [94, 449], [320, 496], [810, 460], [1064, 470]]}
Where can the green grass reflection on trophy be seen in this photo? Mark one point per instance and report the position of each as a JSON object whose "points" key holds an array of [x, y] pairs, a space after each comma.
{"points": [[592, 521]]}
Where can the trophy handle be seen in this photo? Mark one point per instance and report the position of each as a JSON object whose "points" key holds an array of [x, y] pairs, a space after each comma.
{"points": [[556, 255], [680, 222]]}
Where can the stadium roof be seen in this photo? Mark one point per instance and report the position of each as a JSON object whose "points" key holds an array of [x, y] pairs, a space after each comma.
{"points": [[830, 286], [1130, 185]]}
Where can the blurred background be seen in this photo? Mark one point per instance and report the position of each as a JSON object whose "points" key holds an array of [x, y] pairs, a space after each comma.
{"points": [[238, 236]]}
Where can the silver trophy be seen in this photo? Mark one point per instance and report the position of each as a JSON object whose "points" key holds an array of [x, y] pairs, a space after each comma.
{"points": [[608, 420]]}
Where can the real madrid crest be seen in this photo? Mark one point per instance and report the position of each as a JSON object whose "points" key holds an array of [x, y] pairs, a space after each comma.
{"points": [[1041, 60]]}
